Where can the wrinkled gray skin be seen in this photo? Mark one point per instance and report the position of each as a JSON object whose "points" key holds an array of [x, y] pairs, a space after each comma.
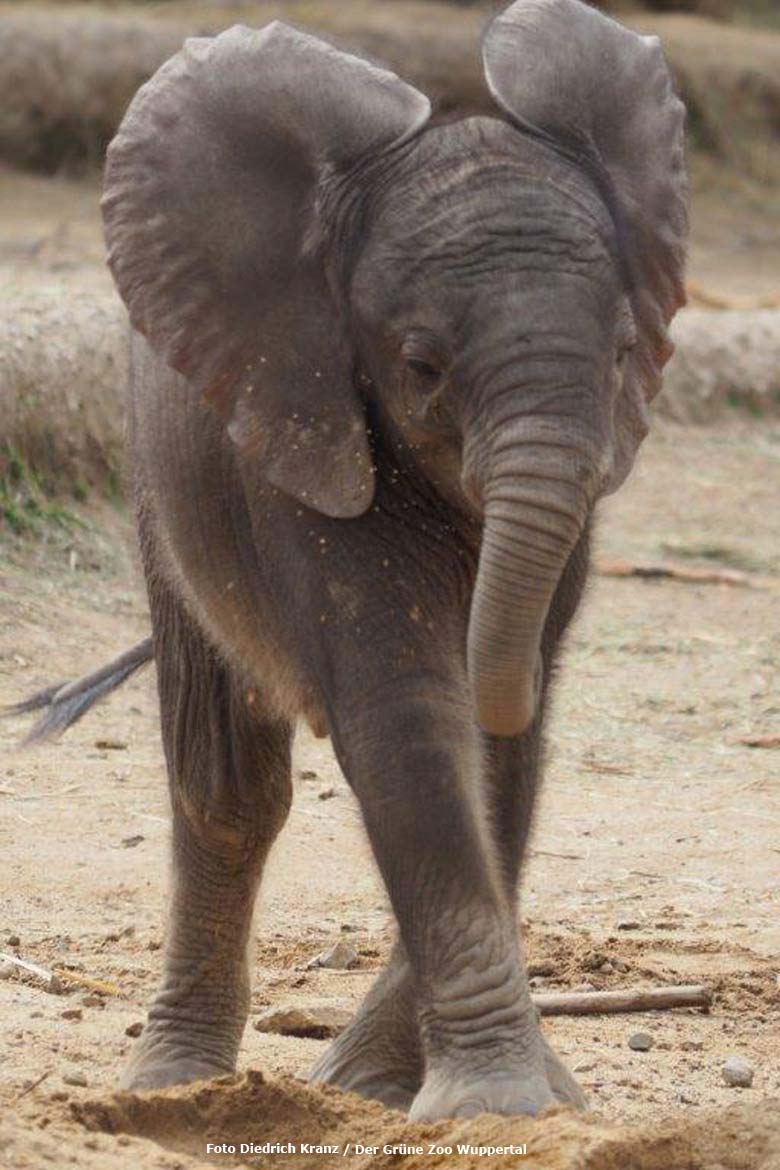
{"points": [[457, 301]]}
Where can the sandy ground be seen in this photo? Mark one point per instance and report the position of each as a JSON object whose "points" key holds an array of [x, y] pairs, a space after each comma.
{"points": [[653, 814]]}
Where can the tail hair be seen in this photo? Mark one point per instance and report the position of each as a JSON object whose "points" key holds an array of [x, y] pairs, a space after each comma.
{"points": [[64, 703]]}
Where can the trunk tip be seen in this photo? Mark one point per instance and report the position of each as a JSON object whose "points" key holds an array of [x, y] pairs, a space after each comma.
{"points": [[507, 716]]}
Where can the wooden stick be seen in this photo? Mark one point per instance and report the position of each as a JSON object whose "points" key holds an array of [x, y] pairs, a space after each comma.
{"points": [[760, 741], [722, 301], [663, 571], [586, 1003]]}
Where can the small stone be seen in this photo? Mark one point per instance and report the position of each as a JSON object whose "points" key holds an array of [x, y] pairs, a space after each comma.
{"points": [[307, 774], [111, 745], [607, 968], [93, 1001], [544, 968], [72, 1014], [627, 924], [692, 1045], [7, 969], [326, 794], [594, 961], [315, 1022], [134, 1030], [686, 1097], [131, 842], [737, 1072], [640, 1041], [76, 1078], [14, 940], [340, 957]]}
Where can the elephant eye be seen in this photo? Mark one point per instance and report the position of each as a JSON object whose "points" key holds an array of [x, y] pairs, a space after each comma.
{"points": [[425, 357], [423, 369]]}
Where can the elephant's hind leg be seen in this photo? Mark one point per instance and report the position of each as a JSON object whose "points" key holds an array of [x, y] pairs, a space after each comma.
{"points": [[380, 1054], [229, 774]]}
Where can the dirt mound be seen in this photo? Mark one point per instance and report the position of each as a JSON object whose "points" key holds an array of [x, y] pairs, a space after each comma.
{"points": [[251, 1110], [63, 369], [66, 76], [722, 360]]}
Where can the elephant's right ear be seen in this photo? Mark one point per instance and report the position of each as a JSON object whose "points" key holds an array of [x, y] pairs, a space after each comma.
{"points": [[209, 198], [563, 70]]}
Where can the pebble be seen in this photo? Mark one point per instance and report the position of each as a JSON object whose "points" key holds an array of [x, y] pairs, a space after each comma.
{"points": [[72, 1014], [317, 1021], [340, 957], [594, 961], [640, 1041], [627, 924], [131, 842], [134, 1030], [92, 1000], [14, 940], [686, 1097], [737, 1072], [326, 794], [75, 1078], [7, 970], [544, 968]]}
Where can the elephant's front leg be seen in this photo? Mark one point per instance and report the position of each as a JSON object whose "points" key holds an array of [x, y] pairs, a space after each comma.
{"points": [[380, 1054], [410, 752]]}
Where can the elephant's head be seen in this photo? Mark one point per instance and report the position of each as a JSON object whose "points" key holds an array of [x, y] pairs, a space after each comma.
{"points": [[290, 232]]}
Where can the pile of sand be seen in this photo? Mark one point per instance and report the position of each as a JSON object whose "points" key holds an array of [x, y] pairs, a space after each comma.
{"points": [[172, 1129]]}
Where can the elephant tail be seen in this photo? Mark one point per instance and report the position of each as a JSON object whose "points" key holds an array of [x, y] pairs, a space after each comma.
{"points": [[63, 704]]}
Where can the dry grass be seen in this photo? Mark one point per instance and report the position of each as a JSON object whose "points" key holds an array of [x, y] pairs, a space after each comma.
{"points": [[63, 367], [67, 74]]}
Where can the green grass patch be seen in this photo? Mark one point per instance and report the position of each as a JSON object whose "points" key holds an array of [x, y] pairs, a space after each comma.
{"points": [[26, 507]]}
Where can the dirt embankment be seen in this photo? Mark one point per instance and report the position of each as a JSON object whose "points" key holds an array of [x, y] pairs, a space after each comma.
{"points": [[67, 74]]}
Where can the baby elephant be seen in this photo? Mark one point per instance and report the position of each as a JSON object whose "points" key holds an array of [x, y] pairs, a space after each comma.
{"points": [[383, 369]]}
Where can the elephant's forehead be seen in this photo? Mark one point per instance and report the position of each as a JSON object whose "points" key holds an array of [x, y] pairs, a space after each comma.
{"points": [[481, 185]]}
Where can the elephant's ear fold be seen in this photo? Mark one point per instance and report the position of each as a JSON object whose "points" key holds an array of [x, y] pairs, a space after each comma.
{"points": [[210, 196], [564, 71]]}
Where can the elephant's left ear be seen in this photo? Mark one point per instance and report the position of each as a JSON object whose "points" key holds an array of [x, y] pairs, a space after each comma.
{"points": [[564, 71], [210, 201]]}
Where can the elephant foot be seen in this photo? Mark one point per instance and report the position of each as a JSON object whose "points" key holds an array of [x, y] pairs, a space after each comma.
{"points": [[469, 1094], [377, 1056], [162, 1061], [564, 1086]]}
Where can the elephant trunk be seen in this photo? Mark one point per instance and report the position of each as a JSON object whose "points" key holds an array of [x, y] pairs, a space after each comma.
{"points": [[535, 507]]}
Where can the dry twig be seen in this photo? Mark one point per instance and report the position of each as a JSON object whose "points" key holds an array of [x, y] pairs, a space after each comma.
{"points": [[585, 1003], [760, 741], [695, 576], [722, 301]]}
